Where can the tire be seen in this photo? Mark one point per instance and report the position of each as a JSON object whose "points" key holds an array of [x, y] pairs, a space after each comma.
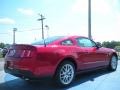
{"points": [[113, 63], [65, 74]]}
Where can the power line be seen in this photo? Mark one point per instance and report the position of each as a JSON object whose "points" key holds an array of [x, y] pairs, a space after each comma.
{"points": [[24, 30], [28, 30], [4, 33]]}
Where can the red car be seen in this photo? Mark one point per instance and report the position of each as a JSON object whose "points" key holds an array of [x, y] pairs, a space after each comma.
{"points": [[60, 57]]}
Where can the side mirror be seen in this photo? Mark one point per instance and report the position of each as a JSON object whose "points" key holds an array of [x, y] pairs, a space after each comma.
{"points": [[98, 45]]}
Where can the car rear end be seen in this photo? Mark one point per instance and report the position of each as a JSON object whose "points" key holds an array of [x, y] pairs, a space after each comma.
{"points": [[31, 61], [22, 61]]}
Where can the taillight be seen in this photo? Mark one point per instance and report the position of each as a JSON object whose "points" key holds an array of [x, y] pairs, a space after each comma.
{"points": [[11, 52], [20, 53], [26, 53]]}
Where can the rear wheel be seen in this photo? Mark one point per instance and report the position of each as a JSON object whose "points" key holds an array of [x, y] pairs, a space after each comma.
{"points": [[113, 63], [65, 73]]}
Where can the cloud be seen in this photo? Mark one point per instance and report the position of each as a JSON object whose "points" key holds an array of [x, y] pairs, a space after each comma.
{"points": [[6, 21], [28, 12]]}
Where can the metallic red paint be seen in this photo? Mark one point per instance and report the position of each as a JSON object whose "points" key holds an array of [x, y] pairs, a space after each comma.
{"points": [[43, 61]]}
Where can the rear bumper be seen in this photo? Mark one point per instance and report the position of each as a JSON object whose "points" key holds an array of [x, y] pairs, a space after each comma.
{"points": [[29, 67], [24, 73], [19, 73]]}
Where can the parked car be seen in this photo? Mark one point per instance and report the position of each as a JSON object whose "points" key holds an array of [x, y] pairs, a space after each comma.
{"points": [[59, 57], [4, 51]]}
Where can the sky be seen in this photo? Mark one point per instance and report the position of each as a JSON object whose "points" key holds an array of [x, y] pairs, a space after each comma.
{"points": [[64, 17]]}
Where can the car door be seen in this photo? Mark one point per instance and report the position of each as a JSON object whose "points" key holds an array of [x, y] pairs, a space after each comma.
{"points": [[89, 55]]}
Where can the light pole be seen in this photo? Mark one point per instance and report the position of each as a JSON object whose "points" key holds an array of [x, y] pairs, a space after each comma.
{"points": [[14, 30], [41, 19], [47, 28], [89, 19]]}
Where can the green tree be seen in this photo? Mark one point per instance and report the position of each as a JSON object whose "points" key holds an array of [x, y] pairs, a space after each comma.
{"points": [[117, 48], [111, 44], [2, 45]]}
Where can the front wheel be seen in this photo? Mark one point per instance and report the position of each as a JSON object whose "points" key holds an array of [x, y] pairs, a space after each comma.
{"points": [[65, 73], [113, 63]]}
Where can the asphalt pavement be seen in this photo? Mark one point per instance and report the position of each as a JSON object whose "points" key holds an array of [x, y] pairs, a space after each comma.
{"points": [[97, 80], [1, 63]]}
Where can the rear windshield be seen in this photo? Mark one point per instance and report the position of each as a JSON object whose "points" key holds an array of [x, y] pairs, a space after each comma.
{"points": [[47, 40]]}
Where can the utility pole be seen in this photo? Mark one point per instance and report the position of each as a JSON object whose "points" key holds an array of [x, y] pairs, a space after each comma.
{"points": [[89, 19], [14, 30], [41, 19]]}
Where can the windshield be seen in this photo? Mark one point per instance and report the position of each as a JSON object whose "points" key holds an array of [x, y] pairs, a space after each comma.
{"points": [[47, 40]]}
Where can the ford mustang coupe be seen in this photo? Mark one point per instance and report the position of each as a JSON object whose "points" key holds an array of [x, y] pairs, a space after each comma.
{"points": [[59, 57]]}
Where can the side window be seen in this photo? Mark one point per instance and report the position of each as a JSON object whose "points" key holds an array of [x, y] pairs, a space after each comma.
{"points": [[67, 42], [84, 42]]}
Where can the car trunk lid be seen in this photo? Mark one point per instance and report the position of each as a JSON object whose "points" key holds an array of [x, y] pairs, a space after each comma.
{"points": [[21, 51]]}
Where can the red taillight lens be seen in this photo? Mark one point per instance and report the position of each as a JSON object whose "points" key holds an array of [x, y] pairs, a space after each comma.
{"points": [[26, 53], [20, 53]]}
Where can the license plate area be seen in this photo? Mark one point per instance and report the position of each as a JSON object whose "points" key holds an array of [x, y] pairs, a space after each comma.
{"points": [[10, 64]]}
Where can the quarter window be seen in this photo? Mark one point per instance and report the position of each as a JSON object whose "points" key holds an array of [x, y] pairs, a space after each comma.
{"points": [[84, 42], [67, 42]]}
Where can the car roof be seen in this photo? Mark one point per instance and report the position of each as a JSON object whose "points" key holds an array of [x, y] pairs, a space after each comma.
{"points": [[65, 38], [75, 36]]}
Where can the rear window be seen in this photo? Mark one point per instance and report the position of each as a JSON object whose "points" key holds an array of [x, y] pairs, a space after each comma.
{"points": [[47, 40]]}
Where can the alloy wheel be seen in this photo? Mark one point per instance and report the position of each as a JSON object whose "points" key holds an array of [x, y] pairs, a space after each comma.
{"points": [[66, 74]]}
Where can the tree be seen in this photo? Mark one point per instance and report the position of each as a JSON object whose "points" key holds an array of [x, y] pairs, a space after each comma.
{"points": [[2, 45], [111, 44], [117, 48]]}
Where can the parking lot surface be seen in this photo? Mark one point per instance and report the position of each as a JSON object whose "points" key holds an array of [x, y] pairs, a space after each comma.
{"points": [[1, 63], [97, 80]]}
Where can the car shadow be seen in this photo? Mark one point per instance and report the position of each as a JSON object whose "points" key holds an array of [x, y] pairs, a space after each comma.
{"points": [[46, 84]]}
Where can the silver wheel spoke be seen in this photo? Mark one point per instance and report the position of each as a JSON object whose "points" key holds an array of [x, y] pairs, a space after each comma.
{"points": [[66, 74]]}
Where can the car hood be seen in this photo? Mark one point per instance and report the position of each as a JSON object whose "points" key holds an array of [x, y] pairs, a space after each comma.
{"points": [[109, 49]]}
